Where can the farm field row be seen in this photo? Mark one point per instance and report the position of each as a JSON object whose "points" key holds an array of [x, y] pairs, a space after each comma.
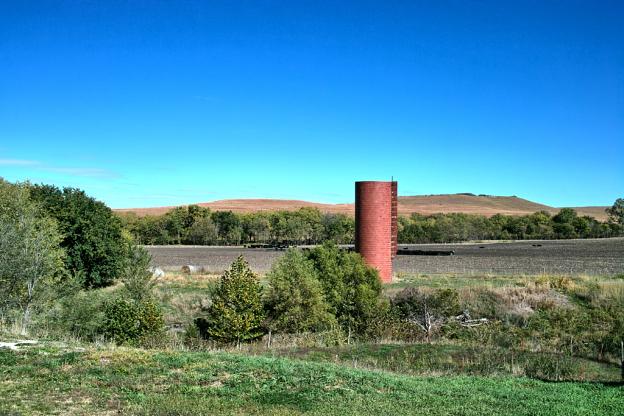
{"points": [[571, 257]]}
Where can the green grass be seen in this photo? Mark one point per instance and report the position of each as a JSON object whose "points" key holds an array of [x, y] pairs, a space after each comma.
{"points": [[181, 296], [459, 281], [456, 281], [452, 359], [48, 380]]}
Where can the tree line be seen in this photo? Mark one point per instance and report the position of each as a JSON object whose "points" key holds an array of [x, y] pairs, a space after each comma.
{"points": [[451, 228], [198, 225]]}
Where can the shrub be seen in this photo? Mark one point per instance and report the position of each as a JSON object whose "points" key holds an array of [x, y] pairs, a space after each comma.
{"points": [[236, 312], [295, 301], [130, 322], [92, 234], [79, 314], [137, 278], [351, 288], [553, 367], [427, 310]]}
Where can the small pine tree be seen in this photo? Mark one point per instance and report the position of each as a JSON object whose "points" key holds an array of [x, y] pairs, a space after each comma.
{"points": [[295, 300], [137, 277], [236, 313]]}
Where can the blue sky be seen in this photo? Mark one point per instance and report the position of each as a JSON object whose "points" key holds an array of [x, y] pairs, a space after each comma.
{"points": [[159, 103]]}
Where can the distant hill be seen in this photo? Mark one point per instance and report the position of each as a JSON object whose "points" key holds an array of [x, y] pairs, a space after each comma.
{"points": [[422, 204]]}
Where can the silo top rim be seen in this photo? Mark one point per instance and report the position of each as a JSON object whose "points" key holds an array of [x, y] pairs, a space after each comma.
{"points": [[375, 181]]}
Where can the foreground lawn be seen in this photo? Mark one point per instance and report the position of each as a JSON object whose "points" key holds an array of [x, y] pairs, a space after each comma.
{"points": [[50, 380], [455, 359]]}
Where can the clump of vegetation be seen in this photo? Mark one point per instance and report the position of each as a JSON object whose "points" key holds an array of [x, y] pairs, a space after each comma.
{"points": [[428, 310], [127, 321], [91, 234], [137, 277], [351, 287], [311, 291], [236, 313], [295, 300], [616, 212], [31, 259], [134, 317], [77, 313]]}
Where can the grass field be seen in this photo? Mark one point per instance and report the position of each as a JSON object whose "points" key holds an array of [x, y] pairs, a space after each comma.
{"points": [[448, 359], [310, 374], [59, 380]]}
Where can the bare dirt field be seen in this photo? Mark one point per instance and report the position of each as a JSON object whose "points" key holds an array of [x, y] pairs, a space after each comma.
{"points": [[569, 257]]}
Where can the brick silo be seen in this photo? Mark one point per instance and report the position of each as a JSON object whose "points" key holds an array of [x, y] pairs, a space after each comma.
{"points": [[375, 224], [395, 216]]}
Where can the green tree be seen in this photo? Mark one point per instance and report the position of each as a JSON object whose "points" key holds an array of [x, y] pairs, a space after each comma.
{"points": [[30, 253], [228, 224], [351, 288], [338, 228], [256, 227], [137, 277], [563, 223], [152, 230], [203, 231], [236, 313], [92, 234], [175, 221], [616, 212], [295, 300], [565, 216]]}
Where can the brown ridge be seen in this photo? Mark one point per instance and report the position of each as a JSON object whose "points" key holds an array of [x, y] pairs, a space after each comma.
{"points": [[422, 204]]}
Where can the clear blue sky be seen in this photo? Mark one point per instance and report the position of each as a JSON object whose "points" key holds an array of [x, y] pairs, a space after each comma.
{"points": [[148, 103]]}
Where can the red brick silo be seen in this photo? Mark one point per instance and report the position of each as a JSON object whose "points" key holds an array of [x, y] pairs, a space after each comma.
{"points": [[395, 217], [374, 225]]}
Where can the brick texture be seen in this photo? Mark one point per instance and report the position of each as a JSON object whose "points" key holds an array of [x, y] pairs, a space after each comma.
{"points": [[374, 225], [395, 216]]}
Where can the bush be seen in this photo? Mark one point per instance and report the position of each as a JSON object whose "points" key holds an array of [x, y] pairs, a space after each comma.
{"points": [[427, 310], [295, 301], [553, 367], [236, 313], [92, 234], [351, 288], [130, 322], [137, 278], [79, 314]]}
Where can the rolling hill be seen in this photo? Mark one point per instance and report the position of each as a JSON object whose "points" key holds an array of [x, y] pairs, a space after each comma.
{"points": [[422, 204]]}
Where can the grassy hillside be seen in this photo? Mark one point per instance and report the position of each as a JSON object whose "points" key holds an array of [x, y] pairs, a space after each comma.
{"points": [[58, 380], [422, 204]]}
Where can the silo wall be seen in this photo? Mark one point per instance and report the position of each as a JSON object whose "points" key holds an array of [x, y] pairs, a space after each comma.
{"points": [[374, 225]]}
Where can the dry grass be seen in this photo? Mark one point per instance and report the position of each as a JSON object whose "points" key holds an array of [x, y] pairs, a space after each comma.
{"points": [[422, 204]]}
